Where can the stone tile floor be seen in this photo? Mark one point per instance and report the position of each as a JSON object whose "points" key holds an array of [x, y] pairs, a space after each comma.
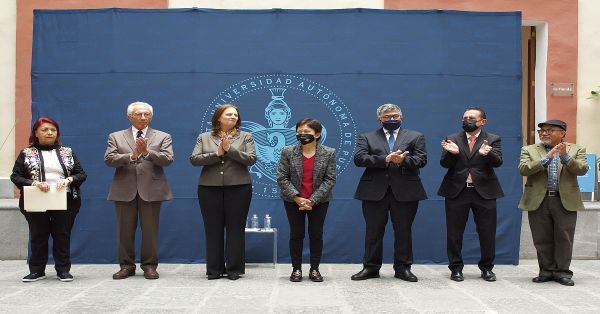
{"points": [[183, 288]]}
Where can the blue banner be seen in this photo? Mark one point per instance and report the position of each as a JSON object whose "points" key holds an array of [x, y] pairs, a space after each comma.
{"points": [[587, 182], [279, 66]]}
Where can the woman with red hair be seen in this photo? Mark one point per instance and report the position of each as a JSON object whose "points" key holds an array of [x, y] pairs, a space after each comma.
{"points": [[45, 163]]}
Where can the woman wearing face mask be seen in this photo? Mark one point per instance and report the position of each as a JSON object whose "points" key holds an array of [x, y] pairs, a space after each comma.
{"points": [[306, 176], [45, 163]]}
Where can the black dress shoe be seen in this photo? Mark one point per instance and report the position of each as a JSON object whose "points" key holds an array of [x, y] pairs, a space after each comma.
{"points": [[315, 276], [540, 279], [296, 275], [213, 277], [406, 275], [34, 277], [488, 275], [365, 273], [457, 275], [233, 276], [64, 277], [565, 281]]}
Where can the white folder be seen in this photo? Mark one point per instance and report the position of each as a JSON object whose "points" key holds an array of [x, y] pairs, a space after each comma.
{"points": [[37, 201]]}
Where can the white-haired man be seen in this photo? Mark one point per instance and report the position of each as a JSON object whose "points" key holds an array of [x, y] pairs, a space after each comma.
{"points": [[139, 185]]}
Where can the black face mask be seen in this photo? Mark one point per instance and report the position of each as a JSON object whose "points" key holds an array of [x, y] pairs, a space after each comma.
{"points": [[391, 125], [305, 138], [469, 125]]}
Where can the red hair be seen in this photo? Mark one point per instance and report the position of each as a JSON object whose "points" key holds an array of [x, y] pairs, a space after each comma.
{"points": [[41, 120]]}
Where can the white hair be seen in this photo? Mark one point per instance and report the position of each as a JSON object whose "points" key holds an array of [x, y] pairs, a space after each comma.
{"points": [[387, 107], [138, 103]]}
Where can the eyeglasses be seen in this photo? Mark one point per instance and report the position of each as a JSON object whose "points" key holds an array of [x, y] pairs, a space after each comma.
{"points": [[391, 116], [142, 114], [547, 131]]}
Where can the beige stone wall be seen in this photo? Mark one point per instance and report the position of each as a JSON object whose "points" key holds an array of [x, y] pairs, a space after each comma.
{"points": [[8, 22], [588, 76]]}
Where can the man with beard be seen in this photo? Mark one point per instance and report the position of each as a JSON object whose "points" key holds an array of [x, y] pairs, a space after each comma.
{"points": [[551, 196]]}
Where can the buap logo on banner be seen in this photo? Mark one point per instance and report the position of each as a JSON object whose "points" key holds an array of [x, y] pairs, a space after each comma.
{"points": [[283, 100]]}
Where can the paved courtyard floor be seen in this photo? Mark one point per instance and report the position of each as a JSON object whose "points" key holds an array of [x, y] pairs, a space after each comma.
{"points": [[265, 288]]}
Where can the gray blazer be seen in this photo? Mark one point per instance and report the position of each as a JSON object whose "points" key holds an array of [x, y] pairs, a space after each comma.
{"points": [[229, 169], [144, 176], [289, 173]]}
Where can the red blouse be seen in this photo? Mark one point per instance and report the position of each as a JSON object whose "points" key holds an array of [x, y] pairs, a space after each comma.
{"points": [[308, 164]]}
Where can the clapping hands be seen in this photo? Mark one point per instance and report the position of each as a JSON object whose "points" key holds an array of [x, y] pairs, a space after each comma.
{"points": [[141, 148], [397, 157], [450, 146], [559, 149], [224, 145], [485, 148]]}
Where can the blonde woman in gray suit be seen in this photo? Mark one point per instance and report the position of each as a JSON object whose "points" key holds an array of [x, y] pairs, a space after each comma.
{"points": [[306, 176], [224, 191]]}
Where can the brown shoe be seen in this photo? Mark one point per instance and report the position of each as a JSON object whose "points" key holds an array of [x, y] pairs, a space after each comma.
{"points": [[124, 272], [150, 273], [315, 276], [296, 275]]}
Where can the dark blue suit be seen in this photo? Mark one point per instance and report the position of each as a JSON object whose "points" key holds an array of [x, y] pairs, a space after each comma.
{"points": [[389, 187]]}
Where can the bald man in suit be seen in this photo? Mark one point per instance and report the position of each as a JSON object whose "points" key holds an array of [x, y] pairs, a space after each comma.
{"points": [[139, 185]]}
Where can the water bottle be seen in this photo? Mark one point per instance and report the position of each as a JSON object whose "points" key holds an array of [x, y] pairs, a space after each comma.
{"points": [[267, 224], [254, 222]]}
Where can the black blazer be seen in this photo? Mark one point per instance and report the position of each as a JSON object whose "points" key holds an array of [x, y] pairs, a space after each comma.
{"points": [[481, 167], [371, 150], [25, 166]]}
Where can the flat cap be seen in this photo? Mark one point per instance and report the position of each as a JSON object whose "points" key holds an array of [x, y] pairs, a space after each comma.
{"points": [[559, 123]]}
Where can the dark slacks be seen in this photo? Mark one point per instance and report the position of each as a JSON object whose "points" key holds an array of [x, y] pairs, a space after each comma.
{"points": [[224, 211], [484, 215], [376, 217], [553, 229], [55, 223], [316, 220], [128, 214]]}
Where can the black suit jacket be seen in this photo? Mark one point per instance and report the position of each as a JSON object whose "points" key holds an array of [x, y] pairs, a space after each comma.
{"points": [[371, 150], [481, 167]]}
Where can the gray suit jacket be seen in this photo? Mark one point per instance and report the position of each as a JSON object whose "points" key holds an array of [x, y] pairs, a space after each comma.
{"points": [[145, 175], [229, 169], [289, 173], [537, 177]]}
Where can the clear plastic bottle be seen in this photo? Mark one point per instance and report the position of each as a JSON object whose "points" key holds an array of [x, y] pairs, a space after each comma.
{"points": [[267, 222], [254, 222]]}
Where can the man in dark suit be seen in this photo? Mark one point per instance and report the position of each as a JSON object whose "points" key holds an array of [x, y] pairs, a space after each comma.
{"points": [[471, 184], [139, 185], [392, 157]]}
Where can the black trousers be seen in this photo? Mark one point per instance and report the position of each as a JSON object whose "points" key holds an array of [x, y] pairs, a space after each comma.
{"points": [[316, 220], [55, 223], [224, 211], [376, 217], [552, 230], [457, 214]]}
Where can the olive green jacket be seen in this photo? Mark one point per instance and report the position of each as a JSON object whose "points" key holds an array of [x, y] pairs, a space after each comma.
{"points": [[536, 184]]}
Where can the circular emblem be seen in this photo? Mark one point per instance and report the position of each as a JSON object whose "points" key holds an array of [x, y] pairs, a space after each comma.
{"points": [[270, 106]]}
